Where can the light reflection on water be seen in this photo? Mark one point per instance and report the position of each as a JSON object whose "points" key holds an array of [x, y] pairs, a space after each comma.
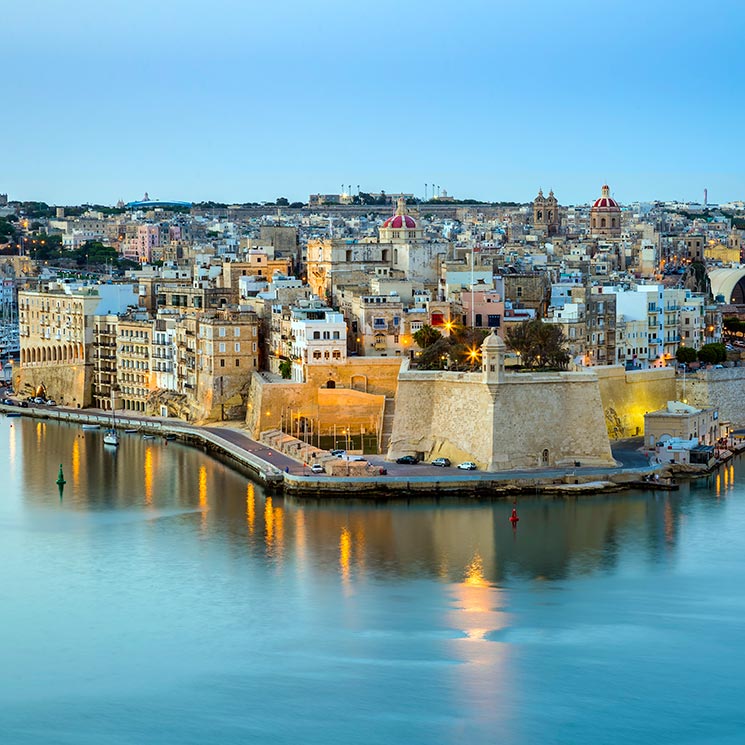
{"points": [[163, 578]]}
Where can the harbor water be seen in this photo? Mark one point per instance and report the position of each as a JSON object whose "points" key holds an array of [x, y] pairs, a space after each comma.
{"points": [[163, 598]]}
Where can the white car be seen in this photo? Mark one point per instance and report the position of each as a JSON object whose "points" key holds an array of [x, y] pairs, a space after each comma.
{"points": [[317, 468], [468, 466]]}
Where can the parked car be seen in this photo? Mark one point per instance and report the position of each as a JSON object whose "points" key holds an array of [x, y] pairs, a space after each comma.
{"points": [[407, 459], [38, 400], [51, 402], [317, 468], [467, 466], [338, 453], [442, 462]]}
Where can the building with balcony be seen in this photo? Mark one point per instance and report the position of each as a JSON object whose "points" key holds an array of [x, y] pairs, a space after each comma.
{"points": [[56, 326], [319, 337]]}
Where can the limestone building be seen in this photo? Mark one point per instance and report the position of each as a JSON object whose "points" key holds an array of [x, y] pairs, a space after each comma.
{"points": [[227, 353], [56, 327], [134, 382]]}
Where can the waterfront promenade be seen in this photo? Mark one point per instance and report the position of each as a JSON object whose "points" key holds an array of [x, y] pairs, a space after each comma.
{"points": [[280, 472]]}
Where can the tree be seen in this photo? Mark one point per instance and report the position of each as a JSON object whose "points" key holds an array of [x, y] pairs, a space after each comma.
{"points": [[426, 336], [685, 355], [94, 252], [283, 202], [285, 369], [46, 247], [437, 355], [540, 345], [711, 354]]}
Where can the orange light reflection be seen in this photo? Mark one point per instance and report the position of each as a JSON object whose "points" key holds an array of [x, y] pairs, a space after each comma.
{"points": [[345, 552], [148, 476], [250, 507]]}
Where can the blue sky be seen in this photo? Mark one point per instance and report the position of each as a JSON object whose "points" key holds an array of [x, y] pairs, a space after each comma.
{"points": [[235, 100]]}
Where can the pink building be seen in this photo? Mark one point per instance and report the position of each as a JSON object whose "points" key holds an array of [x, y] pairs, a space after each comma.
{"points": [[139, 247], [485, 307]]}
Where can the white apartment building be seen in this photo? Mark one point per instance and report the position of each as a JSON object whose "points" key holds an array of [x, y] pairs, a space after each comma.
{"points": [[318, 337]]}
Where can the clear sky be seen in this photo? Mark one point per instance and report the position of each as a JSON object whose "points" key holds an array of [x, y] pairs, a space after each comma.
{"points": [[237, 100]]}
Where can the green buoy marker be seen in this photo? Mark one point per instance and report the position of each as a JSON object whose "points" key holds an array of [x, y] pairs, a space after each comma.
{"points": [[61, 477]]}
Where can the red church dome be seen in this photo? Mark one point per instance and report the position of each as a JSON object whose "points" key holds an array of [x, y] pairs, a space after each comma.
{"points": [[400, 221], [606, 201]]}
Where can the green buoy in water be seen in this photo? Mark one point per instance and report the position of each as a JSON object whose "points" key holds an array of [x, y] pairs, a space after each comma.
{"points": [[61, 477]]}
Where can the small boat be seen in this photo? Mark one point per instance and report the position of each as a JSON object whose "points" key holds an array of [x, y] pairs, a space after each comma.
{"points": [[130, 431], [13, 414], [91, 426], [170, 437], [111, 437], [148, 437]]}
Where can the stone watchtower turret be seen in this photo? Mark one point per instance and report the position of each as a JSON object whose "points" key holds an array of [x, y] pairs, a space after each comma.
{"points": [[492, 359]]}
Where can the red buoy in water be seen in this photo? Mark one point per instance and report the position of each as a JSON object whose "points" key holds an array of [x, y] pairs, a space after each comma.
{"points": [[513, 517]]}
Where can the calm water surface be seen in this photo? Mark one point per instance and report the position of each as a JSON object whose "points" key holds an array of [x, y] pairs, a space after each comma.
{"points": [[165, 599]]}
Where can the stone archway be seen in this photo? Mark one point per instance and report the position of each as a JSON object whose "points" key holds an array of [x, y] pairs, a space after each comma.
{"points": [[359, 383]]}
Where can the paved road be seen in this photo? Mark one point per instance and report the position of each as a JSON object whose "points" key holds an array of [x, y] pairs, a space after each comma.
{"points": [[242, 440]]}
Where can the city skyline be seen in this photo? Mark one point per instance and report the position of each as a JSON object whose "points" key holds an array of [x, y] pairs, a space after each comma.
{"points": [[253, 103]]}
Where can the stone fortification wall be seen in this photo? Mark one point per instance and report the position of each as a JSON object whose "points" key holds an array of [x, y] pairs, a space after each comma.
{"points": [[439, 414], [722, 389], [628, 395], [377, 375], [266, 402], [272, 404], [69, 384], [560, 413], [527, 421]]}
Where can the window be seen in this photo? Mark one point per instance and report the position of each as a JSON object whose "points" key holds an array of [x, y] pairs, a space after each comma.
{"points": [[337, 354], [236, 331], [379, 323], [336, 335], [237, 363], [237, 346], [222, 331], [222, 363], [317, 354], [222, 347], [316, 334]]}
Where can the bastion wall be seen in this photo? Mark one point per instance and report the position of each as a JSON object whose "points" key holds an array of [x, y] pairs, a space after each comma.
{"points": [[274, 404], [722, 389], [626, 396], [526, 421], [69, 384]]}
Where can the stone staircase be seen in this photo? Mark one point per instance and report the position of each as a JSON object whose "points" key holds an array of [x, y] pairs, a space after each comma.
{"points": [[387, 428]]}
